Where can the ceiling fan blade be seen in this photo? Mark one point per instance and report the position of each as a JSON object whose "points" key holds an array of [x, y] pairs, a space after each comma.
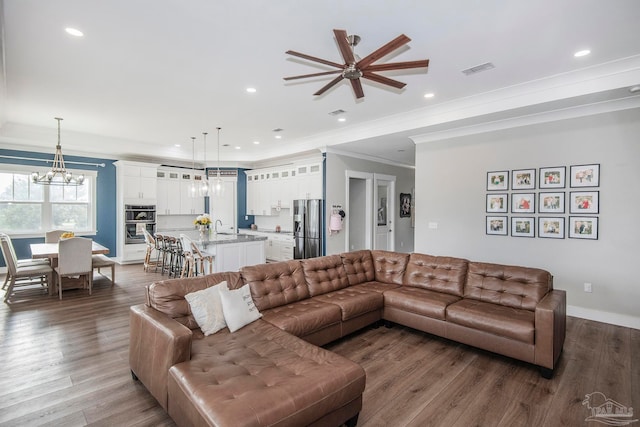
{"points": [[312, 75], [394, 44], [357, 88], [383, 80], [313, 58], [345, 48], [398, 65], [329, 85]]}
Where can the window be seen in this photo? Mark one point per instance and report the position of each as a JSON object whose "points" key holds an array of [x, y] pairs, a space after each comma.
{"points": [[27, 208]]}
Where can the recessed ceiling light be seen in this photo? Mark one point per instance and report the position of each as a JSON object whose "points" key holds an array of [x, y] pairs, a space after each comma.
{"points": [[634, 89], [74, 32], [429, 95], [342, 119], [237, 147], [278, 136], [178, 145], [251, 90], [256, 142], [583, 52]]}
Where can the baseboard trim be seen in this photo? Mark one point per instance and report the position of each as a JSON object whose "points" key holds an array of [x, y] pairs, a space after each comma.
{"points": [[604, 316]]}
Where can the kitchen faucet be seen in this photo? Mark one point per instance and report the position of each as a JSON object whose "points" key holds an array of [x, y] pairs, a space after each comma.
{"points": [[215, 226]]}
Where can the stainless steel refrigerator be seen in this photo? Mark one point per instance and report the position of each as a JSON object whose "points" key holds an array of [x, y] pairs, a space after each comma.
{"points": [[307, 228]]}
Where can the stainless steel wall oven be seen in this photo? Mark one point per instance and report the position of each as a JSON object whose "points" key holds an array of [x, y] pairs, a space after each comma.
{"points": [[136, 219]]}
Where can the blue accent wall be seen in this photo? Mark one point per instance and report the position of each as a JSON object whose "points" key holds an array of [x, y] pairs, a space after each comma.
{"points": [[105, 197], [242, 201]]}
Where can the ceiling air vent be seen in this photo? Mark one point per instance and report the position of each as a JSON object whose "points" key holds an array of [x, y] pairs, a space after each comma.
{"points": [[337, 112], [478, 69]]}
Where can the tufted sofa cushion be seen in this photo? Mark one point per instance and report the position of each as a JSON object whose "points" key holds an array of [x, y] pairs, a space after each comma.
{"points": [[276, 284], [324, 274], [167, 296], [261, 376], [389, 266], [359, 266], [510, 286], [442, 274]]}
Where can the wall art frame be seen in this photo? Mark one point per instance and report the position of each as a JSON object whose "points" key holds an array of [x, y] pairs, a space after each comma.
{"points": [[551, 227], [583, 227], [523, 179], [553, 177], [497, 225], [405, 205], [497, 180], [523, 202], [497, 203], [584, 202], [523, 226], [584, 175], [551, 202]]}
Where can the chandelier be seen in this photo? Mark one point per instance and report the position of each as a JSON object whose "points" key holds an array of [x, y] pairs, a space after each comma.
{"points": [[58, 175]]}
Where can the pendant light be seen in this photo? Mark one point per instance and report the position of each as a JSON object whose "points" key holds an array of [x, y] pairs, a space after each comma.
{"points": [[58, 175], [193, 187], [204, 184], [217, 186]]}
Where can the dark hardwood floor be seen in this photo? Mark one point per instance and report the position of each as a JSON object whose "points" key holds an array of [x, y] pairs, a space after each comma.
{"points": [[65, 363]]}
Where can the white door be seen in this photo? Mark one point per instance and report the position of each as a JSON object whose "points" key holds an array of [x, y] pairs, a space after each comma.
{"points": [[358, 224], [384, 196]]}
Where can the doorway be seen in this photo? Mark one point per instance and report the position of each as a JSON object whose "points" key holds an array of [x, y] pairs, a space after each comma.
{"points": [[384, 196], [358, 221]]}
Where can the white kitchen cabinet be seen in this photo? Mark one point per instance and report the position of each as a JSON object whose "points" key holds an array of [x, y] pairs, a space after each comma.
{"points": [[309, 179], [138, 182], [168, 191], [190, 205], [234, 256], [223, 207]]}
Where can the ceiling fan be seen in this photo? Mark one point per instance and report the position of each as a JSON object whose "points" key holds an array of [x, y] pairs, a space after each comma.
{"points": [[354, 68]]}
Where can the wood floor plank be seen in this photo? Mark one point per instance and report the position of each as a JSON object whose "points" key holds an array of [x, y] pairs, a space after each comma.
{"points": [[65, 363]]}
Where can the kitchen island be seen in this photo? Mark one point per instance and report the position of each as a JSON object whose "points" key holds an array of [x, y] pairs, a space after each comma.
{"points": [[230, 251]]}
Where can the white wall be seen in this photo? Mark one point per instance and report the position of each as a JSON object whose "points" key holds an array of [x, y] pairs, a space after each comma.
{"points": [[451, 190], [336, 165]]}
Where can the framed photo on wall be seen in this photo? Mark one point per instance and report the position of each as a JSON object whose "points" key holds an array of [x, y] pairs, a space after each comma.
{"points": [[553, 177], [551, 227], [405, 205], [523, 202], [497, 202], [497, 180], [585, 175], [584, 202], [523, 179], [583, 227], [497, 225], [551, 202], [523, 226]]}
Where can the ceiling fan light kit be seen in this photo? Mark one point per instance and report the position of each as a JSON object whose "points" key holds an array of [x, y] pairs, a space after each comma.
{"points": [[355, 68]]}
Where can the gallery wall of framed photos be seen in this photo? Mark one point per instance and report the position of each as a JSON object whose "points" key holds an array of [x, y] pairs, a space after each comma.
{"points": [[547, 202]]}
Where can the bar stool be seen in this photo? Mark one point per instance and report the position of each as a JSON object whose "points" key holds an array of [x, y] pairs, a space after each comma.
{"points": [[159, 246]]}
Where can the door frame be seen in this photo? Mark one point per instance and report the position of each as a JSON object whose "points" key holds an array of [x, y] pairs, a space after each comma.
{"points": [[368, 178], [391, 207]]}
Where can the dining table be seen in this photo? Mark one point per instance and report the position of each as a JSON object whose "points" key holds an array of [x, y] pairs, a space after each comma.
{"points": [[50, 250]]}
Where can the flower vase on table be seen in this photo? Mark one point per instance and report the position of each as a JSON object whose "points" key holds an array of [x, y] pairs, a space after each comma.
{"points": [[202, 222]]}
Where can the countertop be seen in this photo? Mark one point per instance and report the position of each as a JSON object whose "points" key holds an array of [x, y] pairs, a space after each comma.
{"points": [[216, 239], [284, 233]]}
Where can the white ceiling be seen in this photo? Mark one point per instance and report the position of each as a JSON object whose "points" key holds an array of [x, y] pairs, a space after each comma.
{"points": [[149, 74]]}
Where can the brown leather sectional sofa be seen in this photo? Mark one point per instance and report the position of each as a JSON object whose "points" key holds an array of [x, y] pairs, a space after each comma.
{"points": [[272, 372]]}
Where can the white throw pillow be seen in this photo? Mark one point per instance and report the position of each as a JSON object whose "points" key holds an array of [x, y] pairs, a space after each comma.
{"points": [[206, 308], [239, 309]]}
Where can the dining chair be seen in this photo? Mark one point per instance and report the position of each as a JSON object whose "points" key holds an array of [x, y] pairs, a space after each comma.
{"points": [[151, 248], [199, 258], [20, 262], [19, 275], [188, 263], [75, 259], [99, 261], [53, 236]]}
